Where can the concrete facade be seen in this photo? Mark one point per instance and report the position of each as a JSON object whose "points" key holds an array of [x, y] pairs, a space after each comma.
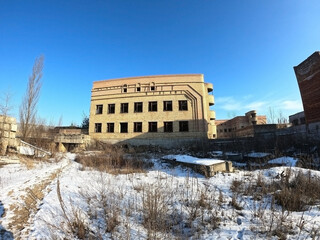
{"points": [[8, 129], [70, 138], [162, 110], [239, 126]]}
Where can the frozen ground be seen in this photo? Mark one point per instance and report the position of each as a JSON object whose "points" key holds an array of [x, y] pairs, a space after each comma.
{"points": [[31, 206]]}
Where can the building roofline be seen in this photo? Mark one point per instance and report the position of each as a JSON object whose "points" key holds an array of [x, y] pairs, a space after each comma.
{"points": [[316, 53], [151, 76]]}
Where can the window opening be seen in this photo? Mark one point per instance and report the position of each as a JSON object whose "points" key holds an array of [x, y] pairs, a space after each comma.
{"points": [[183, 105], [138, 107], [110, 127], [97, 127], [153, 107], [168, 126], [153, 127], [99, 109], [137, 127], [183, 126], [111, 108], [167, 105], [124, 107], [123, 127]]}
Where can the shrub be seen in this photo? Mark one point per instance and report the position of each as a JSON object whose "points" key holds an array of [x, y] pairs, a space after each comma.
{"points": [[114, 160]]}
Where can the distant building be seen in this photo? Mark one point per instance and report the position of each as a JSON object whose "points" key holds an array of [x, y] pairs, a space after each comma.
{"points": [[70, 138], [308, 77], [164, 110], [297, 119], [238, 126]]}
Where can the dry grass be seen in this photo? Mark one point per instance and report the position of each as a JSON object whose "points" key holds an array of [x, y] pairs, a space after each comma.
{"points": [[23, 212], [284, 194], [292, 191], [114, 160]]}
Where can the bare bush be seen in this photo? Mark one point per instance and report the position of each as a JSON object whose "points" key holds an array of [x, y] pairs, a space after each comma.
{"points": [[114, 161], [285, 193]]}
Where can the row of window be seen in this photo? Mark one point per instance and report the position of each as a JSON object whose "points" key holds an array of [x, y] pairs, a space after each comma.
{"points": [[138, 89], [137, 127], [138, 107]]}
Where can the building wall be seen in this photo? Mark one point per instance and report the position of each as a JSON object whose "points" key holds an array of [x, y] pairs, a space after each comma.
{"points": [[237, 126], [8, 129], [187, 87], [308, 77]]}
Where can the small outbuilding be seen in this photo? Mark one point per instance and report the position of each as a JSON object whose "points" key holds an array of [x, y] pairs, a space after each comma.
{"points": [[206, 166]]}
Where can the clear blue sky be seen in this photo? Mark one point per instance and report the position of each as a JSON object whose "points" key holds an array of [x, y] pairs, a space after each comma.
{"points": [[247, 49]]}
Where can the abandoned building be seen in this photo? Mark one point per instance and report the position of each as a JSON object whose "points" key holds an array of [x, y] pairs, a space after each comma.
{"points": [[8, 129], [163, 110], [308, 77], [240, 126], [70, 138]]}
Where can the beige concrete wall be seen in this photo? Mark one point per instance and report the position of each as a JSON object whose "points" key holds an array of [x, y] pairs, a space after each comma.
{"points": [[8, 129], [189, 87]]}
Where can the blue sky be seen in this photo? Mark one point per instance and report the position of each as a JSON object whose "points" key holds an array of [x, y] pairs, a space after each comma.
{"points": [[247, 49]]}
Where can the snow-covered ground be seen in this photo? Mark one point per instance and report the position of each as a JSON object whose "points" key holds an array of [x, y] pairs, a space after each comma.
{"points": [[285, 161], [192, 160], [124, 206]]}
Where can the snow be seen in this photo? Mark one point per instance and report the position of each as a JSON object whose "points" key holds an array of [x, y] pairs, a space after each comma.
{"points": [[257, 154], [286, 161], [82, 191], [192, 160], [24, 150]]}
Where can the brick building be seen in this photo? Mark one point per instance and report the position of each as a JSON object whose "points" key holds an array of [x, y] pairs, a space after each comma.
{"points": [[239, 126], [164, 110], [308, 77]]}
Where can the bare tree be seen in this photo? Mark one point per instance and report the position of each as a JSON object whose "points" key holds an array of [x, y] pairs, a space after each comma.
{"points": [[5, 104], [271, 115], [28, 107]]}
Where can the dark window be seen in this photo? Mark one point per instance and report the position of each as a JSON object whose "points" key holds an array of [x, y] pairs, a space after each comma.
{"points": [[168, 126], [125, 90], [97, 127], [225, 130], [167, 105], [137, 127], [138, 107], [183, 105], [110, 127], [138, 89], [124, 107], [153, 127], [153, 107], [123, 127], [183, 126], [111, 108], [152, 88], [99, 109]]}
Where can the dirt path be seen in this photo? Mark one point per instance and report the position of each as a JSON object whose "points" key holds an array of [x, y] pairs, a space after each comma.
{"points": [[27, 204]]}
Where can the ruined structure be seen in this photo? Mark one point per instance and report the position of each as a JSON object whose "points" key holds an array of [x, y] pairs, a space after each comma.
{"points": [[8, 129], [240, 126], [308, 77], [165, 110], [70, 138]]}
